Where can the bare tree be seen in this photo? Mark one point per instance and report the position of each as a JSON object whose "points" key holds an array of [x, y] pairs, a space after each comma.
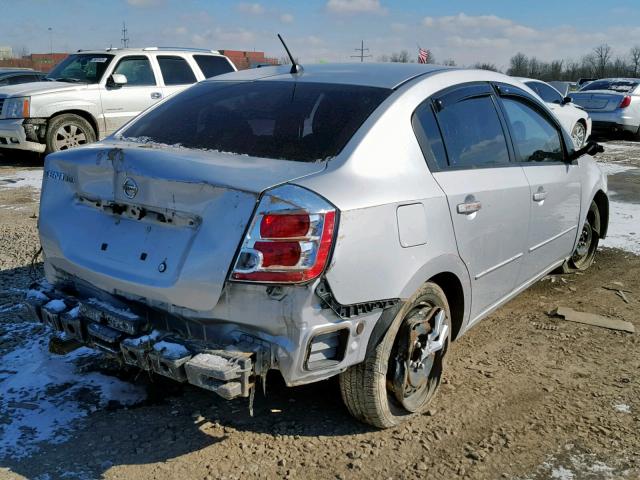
{"points": [[400, 57], [519, 65], [449, 62], [602, 57], [486, 66], [634, 55]]}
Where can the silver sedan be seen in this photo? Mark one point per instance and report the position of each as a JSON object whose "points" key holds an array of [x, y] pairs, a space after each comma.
{"points": [[347, 220]]}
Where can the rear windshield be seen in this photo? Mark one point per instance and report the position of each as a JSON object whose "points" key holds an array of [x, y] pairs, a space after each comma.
{"points": [[284, 120], [614, 85]]}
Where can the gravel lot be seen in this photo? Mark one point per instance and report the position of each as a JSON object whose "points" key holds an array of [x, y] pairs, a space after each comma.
{"points": [[525, 395]]}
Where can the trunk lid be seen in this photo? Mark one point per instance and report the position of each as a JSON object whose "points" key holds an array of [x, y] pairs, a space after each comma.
{"points": [[162, 224], [598, 100]]}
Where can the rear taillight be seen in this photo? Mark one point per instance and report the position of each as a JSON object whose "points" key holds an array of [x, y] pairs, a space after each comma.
{"points": [[289, 240], [626, 101]]}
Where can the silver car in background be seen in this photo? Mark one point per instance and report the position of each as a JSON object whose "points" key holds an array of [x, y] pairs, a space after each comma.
{"points": [[347, 220], [613, 104]]}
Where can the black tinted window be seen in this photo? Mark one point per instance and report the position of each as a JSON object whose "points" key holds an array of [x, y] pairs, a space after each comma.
{"points": [[428, 135], [473, 133], [23, 79], [137, 70], [536, 139], [285, 120], [623, 86], [547, 93], [212, 66], [176, 71]]}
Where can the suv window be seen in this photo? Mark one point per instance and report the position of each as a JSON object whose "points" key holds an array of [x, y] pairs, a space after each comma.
{"points": [[176, 70], [284, 120], [212, 65], [473, 133], [546, 92], [427, 132], [137, 70], [536, 139], [81, 68], [30, 77]]}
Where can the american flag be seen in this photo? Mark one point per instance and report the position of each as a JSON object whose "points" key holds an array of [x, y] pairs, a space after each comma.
{"points": [[423, 55]]}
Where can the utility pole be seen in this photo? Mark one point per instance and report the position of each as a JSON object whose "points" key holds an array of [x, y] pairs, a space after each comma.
{"points": [[361, 56], [124, 39], [51, 45]]}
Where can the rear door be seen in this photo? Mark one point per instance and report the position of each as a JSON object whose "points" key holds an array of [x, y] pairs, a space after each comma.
{"points": [[121, 103], [488, 195], [177, 73], [554, 183]]}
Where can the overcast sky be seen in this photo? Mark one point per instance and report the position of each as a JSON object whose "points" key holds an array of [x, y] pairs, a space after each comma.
{"points": [[467, 31]]}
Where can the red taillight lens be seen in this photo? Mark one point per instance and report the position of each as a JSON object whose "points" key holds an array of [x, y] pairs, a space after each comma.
{"points": [[290, 245], [284, 226], [281, 254], [626, 101]]}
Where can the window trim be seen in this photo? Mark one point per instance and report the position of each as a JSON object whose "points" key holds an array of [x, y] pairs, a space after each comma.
{"points": [[128, 57], [457, 93], [189, 66], [509, 91]]}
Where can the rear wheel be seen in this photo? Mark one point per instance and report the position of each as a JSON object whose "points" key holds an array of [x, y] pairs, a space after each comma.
{"points": [[579, 135], [585, 252], [400, 377], [68, 131]]}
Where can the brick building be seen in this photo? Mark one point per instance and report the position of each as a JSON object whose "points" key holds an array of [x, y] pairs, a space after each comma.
{"points": [[42, 62], [243, 60]]}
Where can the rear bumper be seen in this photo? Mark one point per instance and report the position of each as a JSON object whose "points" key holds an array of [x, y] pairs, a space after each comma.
{"points": [[315, 347], [13, 136], [614, 121]]}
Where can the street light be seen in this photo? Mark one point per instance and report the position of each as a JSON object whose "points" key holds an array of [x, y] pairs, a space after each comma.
{"points": [[51, 44]]}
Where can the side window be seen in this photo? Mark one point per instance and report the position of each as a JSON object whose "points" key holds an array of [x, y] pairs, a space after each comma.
{"points": [[536, 139], [176, 71], [473, 133], [427, 132], [212, 65], [549, 94], [137, 70]]}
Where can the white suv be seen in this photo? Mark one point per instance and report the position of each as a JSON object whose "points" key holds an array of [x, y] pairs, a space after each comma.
{"points": [[91, 94]]}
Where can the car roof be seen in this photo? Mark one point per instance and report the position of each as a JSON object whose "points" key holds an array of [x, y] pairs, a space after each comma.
{"points": [[384, 75], [115, 51]]}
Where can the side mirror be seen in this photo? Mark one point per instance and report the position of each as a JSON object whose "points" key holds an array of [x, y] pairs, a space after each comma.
{"points": [[566, 100], [117, 80], [591, 148]]}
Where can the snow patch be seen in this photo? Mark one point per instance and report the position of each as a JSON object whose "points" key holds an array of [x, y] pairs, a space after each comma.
{"points": [[171, 350], [611, 168], [37, 295], [134, 342], [56, 306], [23, 178], [624, 227], [125, 312], [622, 408], [43, 395]]}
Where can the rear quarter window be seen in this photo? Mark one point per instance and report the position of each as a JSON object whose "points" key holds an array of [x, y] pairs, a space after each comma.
{"points": [[273, 119], [175, 70], [211, 65]]}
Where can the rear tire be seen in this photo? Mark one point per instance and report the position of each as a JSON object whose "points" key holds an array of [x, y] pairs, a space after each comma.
{"points": [[68, 131], [370, 389], [585, 252]]}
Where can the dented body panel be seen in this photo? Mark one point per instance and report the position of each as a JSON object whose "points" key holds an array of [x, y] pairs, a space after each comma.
{"points": [[159, 229]]}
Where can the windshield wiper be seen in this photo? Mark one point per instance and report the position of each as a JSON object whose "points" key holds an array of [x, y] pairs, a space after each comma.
{"points": [[69, 79]]}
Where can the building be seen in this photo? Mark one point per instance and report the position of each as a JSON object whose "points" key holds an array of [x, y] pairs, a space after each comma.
{"points": [[43, 62], [6, 53], [243, 60]]}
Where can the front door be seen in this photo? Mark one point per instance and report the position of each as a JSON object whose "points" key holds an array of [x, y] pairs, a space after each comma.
{"points": [[488, 195], [555, 186], [122, 103]]}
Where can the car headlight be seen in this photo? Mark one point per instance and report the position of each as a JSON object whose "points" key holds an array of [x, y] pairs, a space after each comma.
{"points": [[17, 107]]}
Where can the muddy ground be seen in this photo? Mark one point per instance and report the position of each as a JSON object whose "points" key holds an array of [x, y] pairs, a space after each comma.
{"points": [[525, 395]]}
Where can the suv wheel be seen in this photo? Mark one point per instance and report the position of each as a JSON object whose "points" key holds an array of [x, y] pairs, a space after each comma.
{"points": [[585, 251], [400, 377], [68, 131]]}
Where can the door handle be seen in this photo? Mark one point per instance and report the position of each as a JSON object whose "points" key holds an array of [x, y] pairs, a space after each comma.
{"points": [[539, 196], [156, 95], [467, 208]]}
